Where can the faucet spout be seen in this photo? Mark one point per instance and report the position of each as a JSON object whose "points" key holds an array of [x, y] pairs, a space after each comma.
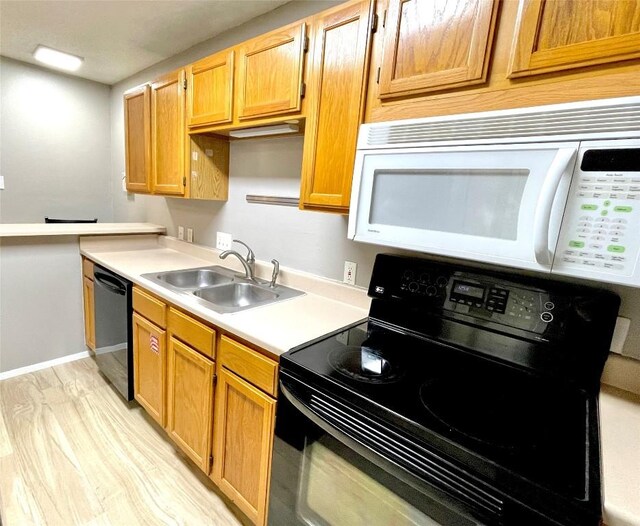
{"points": [[248, 271]]}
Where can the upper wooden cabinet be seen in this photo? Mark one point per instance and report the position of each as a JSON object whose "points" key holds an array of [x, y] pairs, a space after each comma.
{"points": [[168, 133], [210, 90], [269, 73], [137, 137], [553, 35], [337, 86], [433, 45]]}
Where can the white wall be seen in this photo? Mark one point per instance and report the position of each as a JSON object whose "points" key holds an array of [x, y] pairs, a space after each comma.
{"points": [[54, 144]]}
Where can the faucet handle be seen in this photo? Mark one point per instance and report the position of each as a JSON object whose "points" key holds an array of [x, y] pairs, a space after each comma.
{"points": [[276, 271], [251, 257]]}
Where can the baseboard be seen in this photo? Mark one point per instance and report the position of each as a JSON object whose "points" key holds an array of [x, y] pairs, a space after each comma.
{"points": [[43, 365]]}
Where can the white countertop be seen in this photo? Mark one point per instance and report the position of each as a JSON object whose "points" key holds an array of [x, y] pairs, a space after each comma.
{"points": [[77, 229], [620, 446], [327, 305]]}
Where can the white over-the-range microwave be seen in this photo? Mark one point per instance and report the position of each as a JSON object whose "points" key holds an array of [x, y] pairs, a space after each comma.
{"points": [[551, 188]]}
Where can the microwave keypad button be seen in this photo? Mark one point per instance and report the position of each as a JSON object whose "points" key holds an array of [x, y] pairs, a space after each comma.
{"points": [[584, 187], [620, 221], [600, 195], [589, 207], [635, 179], [576, 244], [618, 188], [589, 262], [619, 259], [633, 196], [625, 209], [598, 238], [584, 230], [569, 252], [585, 224], [585, 254], [600, 232], [602, 220], [619, 249], [617, 227], [634, 188], [613, 195], [570, 260], [602, 180], [586, 218], [599, 256], [587, 180]]}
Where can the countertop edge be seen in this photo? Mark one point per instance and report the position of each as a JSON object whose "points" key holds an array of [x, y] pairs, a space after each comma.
{"points": [[9, 230]]}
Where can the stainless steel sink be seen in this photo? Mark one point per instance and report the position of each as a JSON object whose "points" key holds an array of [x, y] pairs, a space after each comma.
{"points": [[194, 278], [221, 289], [236, 295]]}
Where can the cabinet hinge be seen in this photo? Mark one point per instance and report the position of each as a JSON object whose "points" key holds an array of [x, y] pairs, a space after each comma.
{"points": [[210, 460], [384, 18], [215, 379], [378, 76], [303, 90], [374, 24], [305, 44], [184, 83], [184, 181]]}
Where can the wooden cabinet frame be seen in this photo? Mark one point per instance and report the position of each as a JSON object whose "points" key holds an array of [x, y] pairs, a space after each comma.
{"points": [[528, 59], [216, 94], [473, 71], [155, 408], [137, 139]]}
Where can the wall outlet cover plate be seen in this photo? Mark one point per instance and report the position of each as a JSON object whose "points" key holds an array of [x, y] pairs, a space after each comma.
{"points": [[224, 241]]}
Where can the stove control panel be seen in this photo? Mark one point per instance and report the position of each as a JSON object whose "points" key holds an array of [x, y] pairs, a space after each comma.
{"points": [[475, 295]]}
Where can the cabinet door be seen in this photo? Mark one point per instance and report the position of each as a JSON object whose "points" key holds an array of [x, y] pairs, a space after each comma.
{"points": [[137, 137], [341, 39], [168, 133], [190, 402], [553, 35], [89, 313], [149, 357], [435, 44], [244, 423], [270, 73], [210, 90]]}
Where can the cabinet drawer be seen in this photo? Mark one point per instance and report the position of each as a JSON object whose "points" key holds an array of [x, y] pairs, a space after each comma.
{"points": [[250, 365], [150, 307], [87, 268], [197, 335]]}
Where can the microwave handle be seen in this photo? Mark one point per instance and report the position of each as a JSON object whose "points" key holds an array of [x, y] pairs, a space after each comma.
{"points": [[542, 219]]}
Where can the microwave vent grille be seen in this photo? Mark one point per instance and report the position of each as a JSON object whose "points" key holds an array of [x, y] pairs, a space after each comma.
{"points": [[540, 123]]}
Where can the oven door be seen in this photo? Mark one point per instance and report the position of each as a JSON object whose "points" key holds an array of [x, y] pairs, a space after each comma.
{"points": [[501, 204], [321, 476]]}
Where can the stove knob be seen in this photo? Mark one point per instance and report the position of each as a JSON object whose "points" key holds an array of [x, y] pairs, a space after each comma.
{"points": [[413, 286], [442, 281], [425, 278], [408, 274], [431, 290], [546, 317]]}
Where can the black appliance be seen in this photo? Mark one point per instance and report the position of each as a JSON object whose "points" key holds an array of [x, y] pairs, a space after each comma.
{"points": [[468, 397], [114, 339], [52, 220]]}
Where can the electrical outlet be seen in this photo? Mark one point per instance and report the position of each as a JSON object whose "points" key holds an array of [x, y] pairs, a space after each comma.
{"points": [[181, 233], [189, 235], [349, 273], [224, 241]]}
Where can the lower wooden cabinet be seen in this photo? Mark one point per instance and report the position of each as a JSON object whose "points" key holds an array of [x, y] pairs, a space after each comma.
{"points": [[244, 424], [89, 313], [149, 359], [190, 379]]}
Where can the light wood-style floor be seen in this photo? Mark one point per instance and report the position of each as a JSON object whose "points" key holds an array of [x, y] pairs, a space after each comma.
{"points": [[72, 452]]}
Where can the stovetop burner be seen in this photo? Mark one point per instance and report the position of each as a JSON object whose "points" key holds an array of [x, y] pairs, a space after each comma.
{"points": [[490, 414], [364, 364]]}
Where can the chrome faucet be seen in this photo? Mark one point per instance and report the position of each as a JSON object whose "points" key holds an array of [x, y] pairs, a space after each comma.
{"points": [[276, 271], [248, 271], [251, 257]]}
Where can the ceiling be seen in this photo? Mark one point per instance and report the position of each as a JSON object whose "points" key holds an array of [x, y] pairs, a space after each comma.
{"points": [[118, 38]]}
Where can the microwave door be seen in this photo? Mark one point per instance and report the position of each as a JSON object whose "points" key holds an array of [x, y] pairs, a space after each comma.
{"points": [[498, 204]]}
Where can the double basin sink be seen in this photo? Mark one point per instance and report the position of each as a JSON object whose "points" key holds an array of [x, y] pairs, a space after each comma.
{"points": [[221, 289]]}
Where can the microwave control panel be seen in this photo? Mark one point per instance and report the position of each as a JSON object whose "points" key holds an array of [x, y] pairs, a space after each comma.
{"points": [[599, 235]]}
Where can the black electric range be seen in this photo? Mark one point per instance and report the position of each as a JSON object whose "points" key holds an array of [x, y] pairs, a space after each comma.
{"points": [[474, 389]]}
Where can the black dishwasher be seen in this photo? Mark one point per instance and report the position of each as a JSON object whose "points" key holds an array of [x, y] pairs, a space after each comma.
{"points": [[114, 343]]}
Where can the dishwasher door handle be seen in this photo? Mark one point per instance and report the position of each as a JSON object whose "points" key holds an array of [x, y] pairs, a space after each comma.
{"points": [[109, 283]]}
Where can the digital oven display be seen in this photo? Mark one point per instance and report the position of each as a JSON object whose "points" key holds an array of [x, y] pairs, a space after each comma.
{"points": [[468, 290]]}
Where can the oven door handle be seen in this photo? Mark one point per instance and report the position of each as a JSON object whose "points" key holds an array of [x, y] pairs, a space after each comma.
{"points": [[388, 464]]}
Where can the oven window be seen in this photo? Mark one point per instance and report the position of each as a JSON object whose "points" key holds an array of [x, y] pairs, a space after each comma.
{"points": [[361, 500], [476, 202]]}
